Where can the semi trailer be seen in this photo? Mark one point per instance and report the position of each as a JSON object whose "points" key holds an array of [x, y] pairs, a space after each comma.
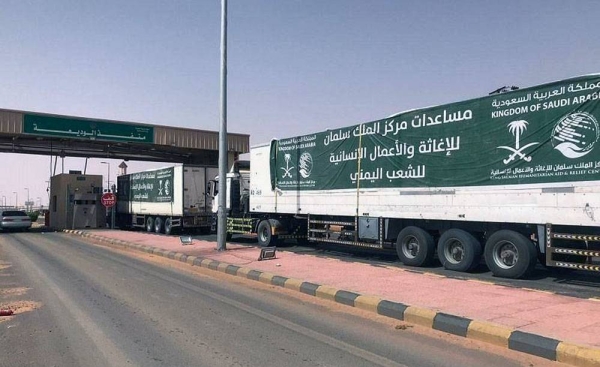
{"points": [[512, 178], [165, 200]]}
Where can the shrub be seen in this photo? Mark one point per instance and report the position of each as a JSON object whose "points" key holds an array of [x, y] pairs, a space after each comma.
{"points": [[34, 215]]}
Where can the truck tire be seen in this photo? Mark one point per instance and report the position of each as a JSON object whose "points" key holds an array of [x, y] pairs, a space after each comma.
{"points": [[458, 250], [168, 226], [158, 225], [415, 247], [149, 224], [509, 254], [264, 234]]}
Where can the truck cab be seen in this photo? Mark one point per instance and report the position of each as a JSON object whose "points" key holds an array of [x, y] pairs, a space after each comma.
{"points": [[238, 191]]}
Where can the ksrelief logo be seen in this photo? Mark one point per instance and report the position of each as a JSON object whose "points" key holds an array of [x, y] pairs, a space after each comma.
{"points": [[167, 187], [305, 164], [575, 134]]}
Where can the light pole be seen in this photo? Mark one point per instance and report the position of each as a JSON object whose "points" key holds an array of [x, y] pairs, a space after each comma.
{"points": [[16, 199], [27, 203], [221, 214], [48, 191], [108, 175], [3, 201], [112, 209]]}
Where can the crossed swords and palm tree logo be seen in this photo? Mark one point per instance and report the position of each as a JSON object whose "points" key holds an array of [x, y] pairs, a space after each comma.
{"points": [[287, 169], [517, 128], [166, 188]]}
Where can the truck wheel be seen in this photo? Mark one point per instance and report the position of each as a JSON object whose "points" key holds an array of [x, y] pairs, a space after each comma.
{"points": [[509, 254], [149, 224], [458, 250], [168, 226], [158, 225], [415, 246], [265, 237]]}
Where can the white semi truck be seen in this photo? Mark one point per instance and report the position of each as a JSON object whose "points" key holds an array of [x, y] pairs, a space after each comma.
{"points": [[512, 177], [166, 199]]}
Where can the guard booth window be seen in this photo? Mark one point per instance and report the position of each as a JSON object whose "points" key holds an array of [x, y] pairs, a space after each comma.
{"points": [[85, 202]]}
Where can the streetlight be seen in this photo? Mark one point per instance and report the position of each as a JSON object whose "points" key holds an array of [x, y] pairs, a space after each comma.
{"points": [[108, 176], [16, 199], [27, 203], [221, 215]]}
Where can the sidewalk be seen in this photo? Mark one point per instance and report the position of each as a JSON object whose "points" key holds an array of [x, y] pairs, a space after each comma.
{"points": [[531, 321]]}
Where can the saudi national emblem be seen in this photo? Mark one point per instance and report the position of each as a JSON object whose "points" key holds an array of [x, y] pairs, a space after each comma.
{"points": [[517, 128], [575, 134], [287, 169]]}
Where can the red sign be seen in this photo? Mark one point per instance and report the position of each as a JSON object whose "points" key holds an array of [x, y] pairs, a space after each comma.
{"points": [[109, 199]]}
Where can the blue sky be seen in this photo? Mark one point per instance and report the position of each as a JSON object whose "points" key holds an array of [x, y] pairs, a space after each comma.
{"points": [[295, 66]]}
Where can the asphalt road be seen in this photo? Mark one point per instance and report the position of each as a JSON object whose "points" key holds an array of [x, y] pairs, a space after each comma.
{"points": [[85, 305]]}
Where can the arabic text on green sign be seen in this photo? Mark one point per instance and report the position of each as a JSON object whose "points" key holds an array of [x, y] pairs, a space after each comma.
{"points": [[543, 134], [86, 129], [152, 186]]}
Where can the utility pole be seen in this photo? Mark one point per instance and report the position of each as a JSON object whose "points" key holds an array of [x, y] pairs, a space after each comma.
{"points": [[27, 203], [112, 208], [107, 176], [222, 215], [48, 188]]}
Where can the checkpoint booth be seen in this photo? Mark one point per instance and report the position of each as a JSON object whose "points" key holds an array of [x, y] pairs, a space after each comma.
{"points": [[75, 201]]}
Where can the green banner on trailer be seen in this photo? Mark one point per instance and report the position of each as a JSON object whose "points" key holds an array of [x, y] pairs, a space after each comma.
{"points": [[152, 186], [543, 134]]}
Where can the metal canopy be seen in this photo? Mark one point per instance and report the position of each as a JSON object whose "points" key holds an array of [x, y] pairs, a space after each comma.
{"points": [[67, 136]]}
